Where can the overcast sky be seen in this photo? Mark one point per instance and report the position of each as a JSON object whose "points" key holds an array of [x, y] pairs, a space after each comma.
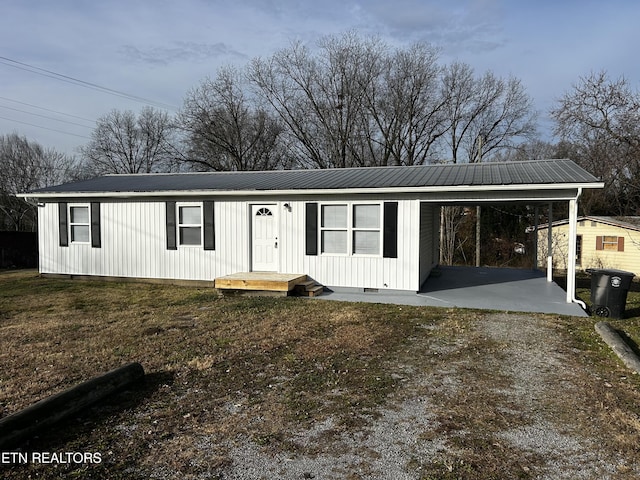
{"points": [[157, 50]]}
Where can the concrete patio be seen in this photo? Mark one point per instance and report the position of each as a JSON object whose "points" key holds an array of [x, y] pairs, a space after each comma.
{"points": [[502, 289]]}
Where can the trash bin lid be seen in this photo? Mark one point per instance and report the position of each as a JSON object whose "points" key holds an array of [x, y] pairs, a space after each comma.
{"points": [[610, 271]]}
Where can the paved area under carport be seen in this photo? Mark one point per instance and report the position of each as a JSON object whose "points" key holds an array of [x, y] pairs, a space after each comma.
{"points": [[502, 289]]}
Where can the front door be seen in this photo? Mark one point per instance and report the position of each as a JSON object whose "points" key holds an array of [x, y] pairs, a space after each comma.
{"points": [[264, 238]]}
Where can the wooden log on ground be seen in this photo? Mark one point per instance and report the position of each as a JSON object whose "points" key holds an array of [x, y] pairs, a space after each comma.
{"points": [[20, 426]]}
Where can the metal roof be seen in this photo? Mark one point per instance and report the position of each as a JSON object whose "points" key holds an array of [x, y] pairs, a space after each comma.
{"points": [[530, 173]]}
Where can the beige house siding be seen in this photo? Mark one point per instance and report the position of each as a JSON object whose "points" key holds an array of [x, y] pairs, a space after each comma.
{"points": [[600, 245]]}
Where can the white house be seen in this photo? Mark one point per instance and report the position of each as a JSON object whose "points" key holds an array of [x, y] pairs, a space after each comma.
{"points": [[366, 228]]}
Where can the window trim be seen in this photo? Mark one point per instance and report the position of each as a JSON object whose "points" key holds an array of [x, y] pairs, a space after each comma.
{"points": [[72, 224], [351, 229], [180, 225]]}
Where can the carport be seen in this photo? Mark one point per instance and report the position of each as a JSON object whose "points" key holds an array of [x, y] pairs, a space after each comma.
{"points": [[538, 184]]}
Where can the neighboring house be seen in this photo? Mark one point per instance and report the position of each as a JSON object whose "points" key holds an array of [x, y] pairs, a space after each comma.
{"points": [[601, 242], [373, 228]]}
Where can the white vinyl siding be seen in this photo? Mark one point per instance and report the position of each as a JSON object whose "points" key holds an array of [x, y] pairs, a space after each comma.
{"points": [[361, 271], [79, 223], [134, 245]]}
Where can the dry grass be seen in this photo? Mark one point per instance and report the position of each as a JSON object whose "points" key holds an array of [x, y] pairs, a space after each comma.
{"points": [[227, 370], [277, 360]]}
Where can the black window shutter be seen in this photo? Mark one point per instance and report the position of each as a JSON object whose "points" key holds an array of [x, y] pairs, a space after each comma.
{"points": [[311, 229], [63, 228], [209, 232], [95, 224], [171, 225], [390, 230]]}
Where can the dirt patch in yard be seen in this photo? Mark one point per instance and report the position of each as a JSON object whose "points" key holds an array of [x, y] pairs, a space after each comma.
{"points": [[250, 388]]}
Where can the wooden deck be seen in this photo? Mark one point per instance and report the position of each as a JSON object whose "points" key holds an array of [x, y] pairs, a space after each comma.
{"points": [[260, 281]]}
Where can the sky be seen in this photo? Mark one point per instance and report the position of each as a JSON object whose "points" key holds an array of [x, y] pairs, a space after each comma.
{"points": [[66, 63]]}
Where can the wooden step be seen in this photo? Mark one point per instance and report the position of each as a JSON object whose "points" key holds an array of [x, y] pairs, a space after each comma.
{"points": [[315, 291], [309, 289]]}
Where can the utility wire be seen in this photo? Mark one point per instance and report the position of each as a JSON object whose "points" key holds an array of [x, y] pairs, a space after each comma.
{"points": [[75, 81], [45, 128], [46, 116], [47, 109]]}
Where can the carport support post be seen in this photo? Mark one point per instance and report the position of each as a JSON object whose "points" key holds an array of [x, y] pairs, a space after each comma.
{"points": [[550, 246], [571, 261]]}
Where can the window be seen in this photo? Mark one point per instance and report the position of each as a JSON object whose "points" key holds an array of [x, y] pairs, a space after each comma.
{"points": [[355, 230], [79, 224], [334, 233], [366, 229], [189, 225], [579, 250], [610, 243], [264, 212]]}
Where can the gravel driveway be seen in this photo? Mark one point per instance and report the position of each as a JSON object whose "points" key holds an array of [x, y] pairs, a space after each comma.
{"points": [[502, 397]]}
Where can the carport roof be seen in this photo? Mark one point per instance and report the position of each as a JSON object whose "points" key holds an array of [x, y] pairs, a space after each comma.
{"points": [[374, 179]]}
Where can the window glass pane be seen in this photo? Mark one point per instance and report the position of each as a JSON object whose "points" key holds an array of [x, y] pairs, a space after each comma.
{"points": [[190, 236], [264, 212], [190, 215], [610, 243], [366, 216], [366, 242], [79, 214], [334, 241], [334, 216], [80, 233]]}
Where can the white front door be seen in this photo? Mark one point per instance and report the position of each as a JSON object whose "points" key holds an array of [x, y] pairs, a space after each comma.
{"points": [[264, 238]]}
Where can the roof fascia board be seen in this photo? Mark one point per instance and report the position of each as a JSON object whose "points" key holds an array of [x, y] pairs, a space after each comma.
{"points": [[333, 191]]}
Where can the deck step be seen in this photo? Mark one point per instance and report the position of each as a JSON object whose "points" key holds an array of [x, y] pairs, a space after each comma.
{"points": [[309, 289]]}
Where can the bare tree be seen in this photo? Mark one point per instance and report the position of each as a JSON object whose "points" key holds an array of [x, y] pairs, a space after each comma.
{"points": [[356, 102], [405, 108], [226, 130], [484, 113], [124, 143], [320, 98], [600, 119], [532, 150], [26, 166]]}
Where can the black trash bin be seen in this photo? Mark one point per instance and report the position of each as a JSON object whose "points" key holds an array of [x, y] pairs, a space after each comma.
{"points": [[609, 291]]}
